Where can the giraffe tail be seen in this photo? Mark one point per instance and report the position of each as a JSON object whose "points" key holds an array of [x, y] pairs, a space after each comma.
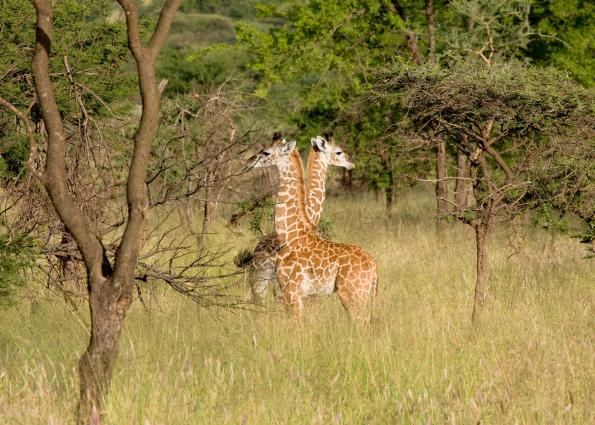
{"points": [[243, 258]]}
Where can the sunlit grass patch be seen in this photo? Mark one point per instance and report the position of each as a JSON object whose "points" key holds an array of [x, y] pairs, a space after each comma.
{"points": [[529, 360]]}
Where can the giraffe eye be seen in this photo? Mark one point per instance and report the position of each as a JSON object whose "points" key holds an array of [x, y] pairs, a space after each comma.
{"points": [[265, 153], [339, 153]]}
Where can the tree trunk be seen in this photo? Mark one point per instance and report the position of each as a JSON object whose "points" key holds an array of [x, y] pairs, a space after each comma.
{"points": [[206, 219], [462, 183], [431, 21], [388, 197], [441, 181], [409, 33], [108, 304], [346, 180], [481, 240], [110, 288], [389, 190], [208, 206]]}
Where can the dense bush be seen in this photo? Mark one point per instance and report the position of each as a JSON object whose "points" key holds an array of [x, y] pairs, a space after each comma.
{"points": [[16, 257]]}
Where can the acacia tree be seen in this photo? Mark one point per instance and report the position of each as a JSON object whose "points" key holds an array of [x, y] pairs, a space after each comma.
{"points": [[332, 50], [83, 90], [110, 283], [197, 134], [516, 126]]}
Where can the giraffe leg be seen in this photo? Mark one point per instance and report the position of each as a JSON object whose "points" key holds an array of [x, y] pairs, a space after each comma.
{"points": [[293, 301], [292, 291], [356, 294], [291, 278]]}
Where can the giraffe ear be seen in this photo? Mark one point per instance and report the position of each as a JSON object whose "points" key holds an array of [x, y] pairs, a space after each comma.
{"points": [[319, 144], [289, 146]]}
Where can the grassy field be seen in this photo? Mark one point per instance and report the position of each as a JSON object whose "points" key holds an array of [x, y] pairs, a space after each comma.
{"points": [[530, 360]]}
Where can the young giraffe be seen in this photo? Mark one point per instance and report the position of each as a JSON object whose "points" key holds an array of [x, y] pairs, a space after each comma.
{"points": [[308, 264], [324, 152], [261, 272]]}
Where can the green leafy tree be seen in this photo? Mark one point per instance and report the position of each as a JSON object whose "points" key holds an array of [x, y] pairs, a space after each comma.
{"points": [[315, 65], [89, 66], [523, 130], [567, 37], [86, 39]]}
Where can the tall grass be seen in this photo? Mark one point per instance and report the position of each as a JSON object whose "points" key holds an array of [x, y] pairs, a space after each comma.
{"points": [[530, 359]]}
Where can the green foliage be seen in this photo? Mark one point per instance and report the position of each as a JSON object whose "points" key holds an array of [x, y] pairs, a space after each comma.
{"points": [[260, 215], [567, 38], [199, 68], [326, 227], [14, 152], [318, 46], [486, 30], [538, 119], [16, 256], [520, 99], [195, 29], [314, 66], [96, 49], [200, 50]]}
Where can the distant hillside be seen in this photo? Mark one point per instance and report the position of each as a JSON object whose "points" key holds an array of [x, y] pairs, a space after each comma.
{"points": [[185, 61], [194, 29]]}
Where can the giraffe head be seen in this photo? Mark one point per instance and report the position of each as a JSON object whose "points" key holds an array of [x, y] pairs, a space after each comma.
{"points": [[275, 155], [330, 152]]}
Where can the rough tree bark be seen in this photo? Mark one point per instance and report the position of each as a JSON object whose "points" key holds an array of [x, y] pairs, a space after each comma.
{"points": [[109, 285], [389, 196], [441, 180], [481, 243], [442, 190], [480, 226], [431, 20], [462, 183], [487, 203], [389, 190], [409, 33]]}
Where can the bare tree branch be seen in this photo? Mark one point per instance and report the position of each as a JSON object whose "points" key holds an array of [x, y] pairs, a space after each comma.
{"points": [[136, 191]]}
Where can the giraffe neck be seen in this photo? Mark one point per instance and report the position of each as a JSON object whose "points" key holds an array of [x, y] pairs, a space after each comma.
{"points": [[291, 219], [316, 192]]}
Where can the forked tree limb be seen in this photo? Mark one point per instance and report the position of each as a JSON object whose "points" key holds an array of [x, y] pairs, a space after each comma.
{"points": [[54, 177], [431, 22], [409, 33], [110, 288], [136, 190], [501, 163], [163, 26]]}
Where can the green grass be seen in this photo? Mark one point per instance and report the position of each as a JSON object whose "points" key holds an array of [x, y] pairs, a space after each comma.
{"points": [[530, 360]]}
